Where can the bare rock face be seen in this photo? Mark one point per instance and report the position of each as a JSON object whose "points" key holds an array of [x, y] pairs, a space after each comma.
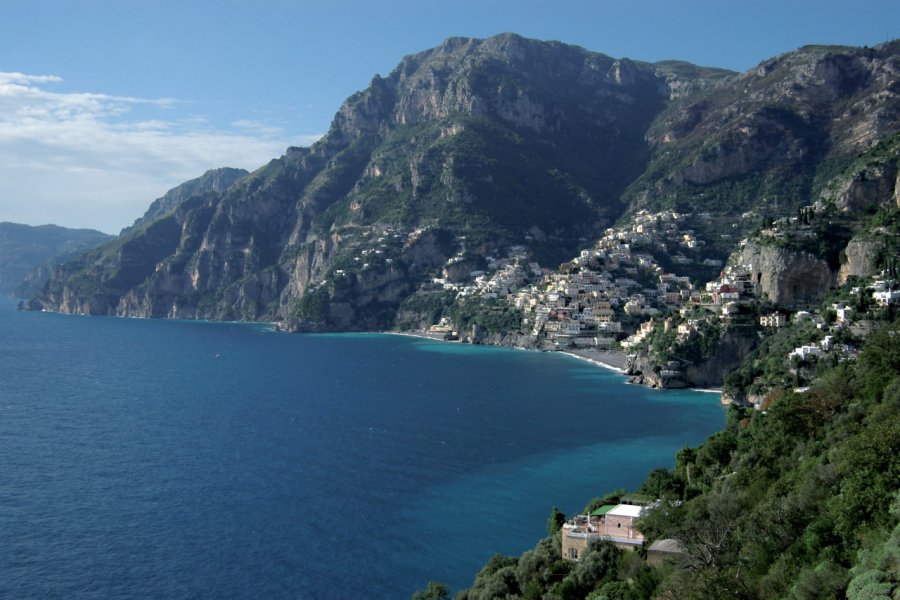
{"points": [[859, 259], [897, 190], [502, 141], [214, 180], [776, 123], [732, 348], [870, 187], [788, 278]]}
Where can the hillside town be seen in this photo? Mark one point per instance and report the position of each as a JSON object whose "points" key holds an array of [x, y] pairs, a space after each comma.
{"points": [[590, 301], [616, 296]]}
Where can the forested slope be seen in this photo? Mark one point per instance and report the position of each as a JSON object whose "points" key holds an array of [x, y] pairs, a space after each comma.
{"points": [[800, 500]]}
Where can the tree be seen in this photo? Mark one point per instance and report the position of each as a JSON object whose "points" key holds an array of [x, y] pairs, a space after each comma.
{"points": [[877, 573], [434, 591], [870, 468], [556, 520], [879, 362], [659, 483], [611, 498], [599, 563]]}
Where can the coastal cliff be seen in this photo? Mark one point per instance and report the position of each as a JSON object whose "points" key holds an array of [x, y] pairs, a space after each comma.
{"points": [[786, 277], [490, 140], [474, 148], [726, 353]]}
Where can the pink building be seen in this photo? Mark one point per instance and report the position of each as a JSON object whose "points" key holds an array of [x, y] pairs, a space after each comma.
{"points": [[610, 522]]}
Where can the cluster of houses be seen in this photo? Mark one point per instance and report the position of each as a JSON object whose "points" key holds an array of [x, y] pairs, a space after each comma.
{"points": [[616, 287], [584, 303], [667, 231], [500, 278], [370, 247], [721, 299], [883, 292]]}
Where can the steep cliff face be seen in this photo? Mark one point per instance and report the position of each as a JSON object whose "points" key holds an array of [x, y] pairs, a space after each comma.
{"points": [[139, 274], [93, 283], [485, 144], [867, 187], [764, 139], [872, 186], [859, 259], [787, 277], [732, 347], [500, 141], [214, 180]]}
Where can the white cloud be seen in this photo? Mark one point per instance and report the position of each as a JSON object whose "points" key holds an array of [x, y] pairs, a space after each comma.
{"points": [[98, 160], [22, 78]]}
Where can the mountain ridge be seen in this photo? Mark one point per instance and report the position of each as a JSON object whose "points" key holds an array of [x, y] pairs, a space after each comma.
{"points": [[477, 145], [27, 247]]}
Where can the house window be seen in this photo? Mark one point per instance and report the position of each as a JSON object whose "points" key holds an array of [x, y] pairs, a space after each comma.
{"points": [[619, 525], [573, 552]]}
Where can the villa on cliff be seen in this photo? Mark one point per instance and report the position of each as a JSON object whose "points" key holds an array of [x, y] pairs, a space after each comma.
{"points": [[609, 522]]}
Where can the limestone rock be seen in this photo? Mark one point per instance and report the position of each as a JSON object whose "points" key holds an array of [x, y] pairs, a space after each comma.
{"points": [[859, 259], [788, 278]]}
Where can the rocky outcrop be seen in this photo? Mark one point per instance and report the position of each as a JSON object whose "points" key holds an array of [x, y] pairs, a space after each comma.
{"points": [[733, 346], [214, 180], [859, 259], [94, 283], [495, 142], [766, 132], [872, 186], [789, 278]]}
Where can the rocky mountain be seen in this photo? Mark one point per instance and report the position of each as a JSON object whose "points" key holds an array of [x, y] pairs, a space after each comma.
{"points": [[23, 248], [477, 145], [31, 280], [771, 138], [214, 180], [795, 264]]}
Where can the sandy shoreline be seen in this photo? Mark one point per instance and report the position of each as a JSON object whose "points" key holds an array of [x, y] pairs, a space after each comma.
{"points": [[435, 337], [613, 360], [608, 359]]}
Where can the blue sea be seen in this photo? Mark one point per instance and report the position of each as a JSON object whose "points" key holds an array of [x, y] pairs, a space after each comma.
{"points": [[177, 459]]}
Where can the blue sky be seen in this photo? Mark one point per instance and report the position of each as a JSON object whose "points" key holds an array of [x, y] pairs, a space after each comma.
{"points": [[104, 105]]}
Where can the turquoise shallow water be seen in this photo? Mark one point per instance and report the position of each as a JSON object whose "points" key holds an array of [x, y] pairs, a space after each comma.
{"points": [[183, 459]]}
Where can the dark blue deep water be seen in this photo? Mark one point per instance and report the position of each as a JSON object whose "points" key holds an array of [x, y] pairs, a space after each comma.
{"points": [[161, 459]]}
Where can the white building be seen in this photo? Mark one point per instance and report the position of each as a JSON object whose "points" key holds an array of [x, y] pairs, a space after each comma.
{"points": [[806, 352], [886, 297]]}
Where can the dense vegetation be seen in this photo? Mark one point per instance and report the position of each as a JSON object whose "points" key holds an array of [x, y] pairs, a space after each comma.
{"points": [[799, 501], [490, 316]]}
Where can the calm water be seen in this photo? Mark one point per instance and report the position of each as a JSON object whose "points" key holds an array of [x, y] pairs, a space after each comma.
{"points": [[193, 460]]}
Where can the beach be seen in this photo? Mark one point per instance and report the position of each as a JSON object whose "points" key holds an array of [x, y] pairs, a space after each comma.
{"points": [[609, 359], [614, 360]]}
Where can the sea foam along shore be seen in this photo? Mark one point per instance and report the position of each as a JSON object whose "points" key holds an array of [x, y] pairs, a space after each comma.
{"points": [[608, 359], [617, 361], [613, 360]]}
